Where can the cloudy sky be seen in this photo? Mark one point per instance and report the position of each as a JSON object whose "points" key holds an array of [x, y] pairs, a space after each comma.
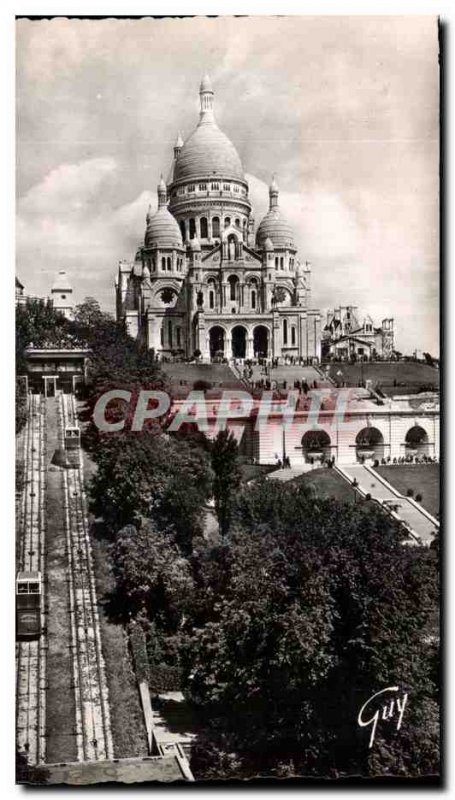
{"points": [[344, 110]]}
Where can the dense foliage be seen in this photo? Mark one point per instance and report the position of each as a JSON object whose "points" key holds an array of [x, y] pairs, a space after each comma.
{"points": [[307, 610], [227, 477], [151, 475], [39, 325]]}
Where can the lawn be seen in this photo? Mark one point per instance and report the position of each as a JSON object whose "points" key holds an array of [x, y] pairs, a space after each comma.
{"points": [[422, 478], [252, 472], [216, 374], [394, 378], [328, 484]]}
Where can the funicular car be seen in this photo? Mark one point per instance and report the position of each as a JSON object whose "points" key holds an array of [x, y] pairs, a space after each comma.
{"points": [[72, 442], [28, 604]]}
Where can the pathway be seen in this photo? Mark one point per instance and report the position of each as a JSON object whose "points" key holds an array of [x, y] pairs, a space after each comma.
{"points": [[369, 481]]}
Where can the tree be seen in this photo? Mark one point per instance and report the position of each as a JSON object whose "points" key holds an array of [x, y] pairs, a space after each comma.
{"points": [[149, 474], [227, 477], [38, 324], [309, 608], [151, 574]]}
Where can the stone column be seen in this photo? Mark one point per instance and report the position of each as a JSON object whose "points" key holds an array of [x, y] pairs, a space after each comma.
{"points": [[228, 345], [249, 354], [274, 348]]}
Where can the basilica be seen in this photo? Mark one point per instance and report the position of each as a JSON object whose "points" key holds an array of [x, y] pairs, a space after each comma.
{"points": [[205, 283]]}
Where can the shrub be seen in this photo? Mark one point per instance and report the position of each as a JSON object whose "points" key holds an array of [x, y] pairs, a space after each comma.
{"points": [[410, 493], [202, 386], [419, 498], [139, 651], [165, 678]]}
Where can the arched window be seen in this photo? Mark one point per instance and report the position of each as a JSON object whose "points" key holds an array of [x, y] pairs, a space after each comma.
{"points": [[204, 228], [233, 283], [169, 330], [211, 299], [215, 227], [285, 331], [169, 264], [237, 223], [227, 222], [253, 298], [182, 228], [163, 263], [161, 337], [281, 262], [276, 262], [179, 336], [192, 228], [292, 335]]}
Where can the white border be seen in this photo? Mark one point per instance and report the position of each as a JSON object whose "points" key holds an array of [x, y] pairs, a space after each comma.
{"points": [[8, 9]]}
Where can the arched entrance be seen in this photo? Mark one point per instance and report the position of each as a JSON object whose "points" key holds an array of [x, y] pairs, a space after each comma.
{"points": [[216, 338], [369, 445], [316, 446], [239, 335], [416, 442], [261, 341]]}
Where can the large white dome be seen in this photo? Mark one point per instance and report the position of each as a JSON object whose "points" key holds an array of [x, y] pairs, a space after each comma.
{"points": [[207, 153]]}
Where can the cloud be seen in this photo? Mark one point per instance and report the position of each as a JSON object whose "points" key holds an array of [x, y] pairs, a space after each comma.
{"points": [[68, 187], [68, 221]]}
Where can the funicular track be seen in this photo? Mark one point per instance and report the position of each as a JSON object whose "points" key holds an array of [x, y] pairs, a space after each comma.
{"points": [[93, 728], [31, 654]]}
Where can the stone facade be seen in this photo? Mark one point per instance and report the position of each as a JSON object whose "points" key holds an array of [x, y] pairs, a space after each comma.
{"points": [[204, 280], [347, 334]]}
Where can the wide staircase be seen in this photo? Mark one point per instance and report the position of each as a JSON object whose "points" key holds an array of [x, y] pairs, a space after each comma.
{"points": [[289, 373], [421, 523]]}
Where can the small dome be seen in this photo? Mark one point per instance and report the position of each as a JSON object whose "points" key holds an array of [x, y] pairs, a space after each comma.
{"points": [[275, 226], [268, 244], [163, 230], [195, 245]]}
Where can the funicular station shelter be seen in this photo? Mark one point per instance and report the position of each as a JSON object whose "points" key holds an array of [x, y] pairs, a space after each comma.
{"points": [[51, 369]]}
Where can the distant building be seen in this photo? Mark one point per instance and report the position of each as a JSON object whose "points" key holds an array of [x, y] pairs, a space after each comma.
{"points": [[347, 334], [61, 295]]}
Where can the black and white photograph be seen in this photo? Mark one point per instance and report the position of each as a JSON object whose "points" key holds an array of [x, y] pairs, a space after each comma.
{"points": [[227, 399]]}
